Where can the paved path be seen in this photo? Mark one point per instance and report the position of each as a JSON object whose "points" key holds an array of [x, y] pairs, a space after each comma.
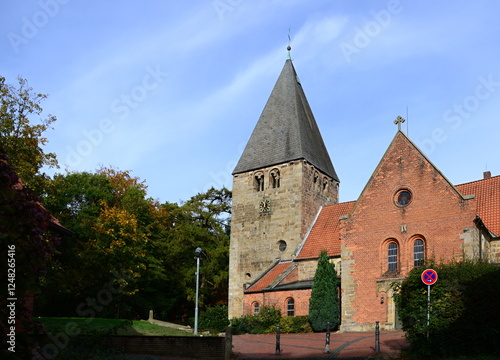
{"points": [[169, 324], [309, 346]]}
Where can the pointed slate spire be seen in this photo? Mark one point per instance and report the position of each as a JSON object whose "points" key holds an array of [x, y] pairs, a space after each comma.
{"points": [[286, 130]]}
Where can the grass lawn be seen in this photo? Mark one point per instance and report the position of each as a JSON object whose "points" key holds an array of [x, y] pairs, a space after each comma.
{"points": [[109, 326]]}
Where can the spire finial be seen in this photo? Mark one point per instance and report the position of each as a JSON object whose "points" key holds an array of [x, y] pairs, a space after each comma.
{"points": [[399, 120], [289, 47]]}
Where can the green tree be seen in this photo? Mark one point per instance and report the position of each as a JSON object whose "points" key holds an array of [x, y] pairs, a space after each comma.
{"points": [[117, 228], [108, 212], [22, 141], [202, 221], [324, 303], [76, 272]]}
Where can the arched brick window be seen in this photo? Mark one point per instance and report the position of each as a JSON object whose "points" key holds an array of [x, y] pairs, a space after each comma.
{"points": [[392, 256], [256, 308], [418, 252], [290, 307]]}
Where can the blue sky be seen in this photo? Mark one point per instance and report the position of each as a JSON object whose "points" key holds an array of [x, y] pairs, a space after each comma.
{"points": [[172, 90]]}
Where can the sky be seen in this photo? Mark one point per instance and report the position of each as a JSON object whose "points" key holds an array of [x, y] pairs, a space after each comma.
{"points": [[171, 90]]}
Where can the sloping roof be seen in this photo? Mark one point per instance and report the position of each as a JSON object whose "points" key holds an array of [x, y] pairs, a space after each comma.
{"points": [[324, 234], [271, 276], [487, 192], [286, 130]]}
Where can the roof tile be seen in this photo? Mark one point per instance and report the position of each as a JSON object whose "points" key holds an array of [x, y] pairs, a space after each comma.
{"points": [[270, 276], [324, 234], [487, 192]]}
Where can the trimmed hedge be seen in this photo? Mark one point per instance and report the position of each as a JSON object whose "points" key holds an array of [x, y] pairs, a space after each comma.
{"points": [[263, 323], [465, 310], [266, 322], [295, 325]]}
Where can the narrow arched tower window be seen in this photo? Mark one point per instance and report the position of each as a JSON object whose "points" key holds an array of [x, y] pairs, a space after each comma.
{"points": [[275, 178], [315, 180], [325, 184], [258, 181]]}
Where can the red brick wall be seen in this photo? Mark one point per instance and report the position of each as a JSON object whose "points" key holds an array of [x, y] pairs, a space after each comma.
{"points": [[437, 214], [278, 299]]}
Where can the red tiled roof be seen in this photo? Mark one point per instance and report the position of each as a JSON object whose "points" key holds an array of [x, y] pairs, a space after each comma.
{"points": [[487, 193], [270, 276], [324, 234]]}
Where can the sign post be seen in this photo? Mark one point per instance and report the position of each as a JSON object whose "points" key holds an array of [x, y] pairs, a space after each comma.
{"points": [[429, 277]]}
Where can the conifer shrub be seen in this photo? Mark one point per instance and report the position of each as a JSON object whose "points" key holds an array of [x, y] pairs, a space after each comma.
{"points": [[464, 311], [324, 304]]}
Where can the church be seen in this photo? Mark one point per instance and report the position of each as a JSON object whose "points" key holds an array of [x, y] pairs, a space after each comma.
{"points": [[286, 211]]}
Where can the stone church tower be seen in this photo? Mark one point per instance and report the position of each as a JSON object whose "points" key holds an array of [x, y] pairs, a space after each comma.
{"points": [[280, 183]]}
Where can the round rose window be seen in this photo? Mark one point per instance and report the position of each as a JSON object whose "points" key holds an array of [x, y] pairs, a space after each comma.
{"points": [[403, 197]]}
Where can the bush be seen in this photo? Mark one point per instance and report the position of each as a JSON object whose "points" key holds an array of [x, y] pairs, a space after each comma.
{"points": [[465, 311], [295, 325], [263, 323], [214, 319], [241, 325], [267, 320]]}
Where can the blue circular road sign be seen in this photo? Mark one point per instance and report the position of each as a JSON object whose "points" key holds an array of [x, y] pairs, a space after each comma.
{"points": [[429, 277]]}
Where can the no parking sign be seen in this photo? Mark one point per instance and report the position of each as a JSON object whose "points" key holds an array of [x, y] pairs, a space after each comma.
{"points": [[429, 277]]}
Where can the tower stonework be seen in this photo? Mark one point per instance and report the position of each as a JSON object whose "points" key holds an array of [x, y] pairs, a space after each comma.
{"points": [[280, 183]]}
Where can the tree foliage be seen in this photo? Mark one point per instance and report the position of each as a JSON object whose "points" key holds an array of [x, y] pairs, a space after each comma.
{"points": [[324, 304], [118, 229], [20, 139], [464, 313], [122, 239]]}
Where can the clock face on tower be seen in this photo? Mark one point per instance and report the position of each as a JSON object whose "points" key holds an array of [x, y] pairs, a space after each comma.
{"points": [[265, 206]]}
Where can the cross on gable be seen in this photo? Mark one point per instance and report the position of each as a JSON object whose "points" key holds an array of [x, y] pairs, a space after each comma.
{"points": [[399, 120]]}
